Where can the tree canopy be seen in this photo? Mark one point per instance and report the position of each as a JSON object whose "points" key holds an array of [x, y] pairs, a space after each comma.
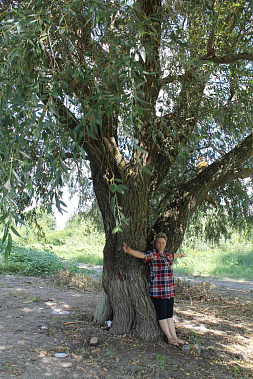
{"points": [[159, 83], [139, 90]]}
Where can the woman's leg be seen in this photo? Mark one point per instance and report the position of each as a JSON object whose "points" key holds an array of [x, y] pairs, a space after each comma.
{"points": [[171, 323], [164, 310], [161, 306], [164, 324], [172, 329]]}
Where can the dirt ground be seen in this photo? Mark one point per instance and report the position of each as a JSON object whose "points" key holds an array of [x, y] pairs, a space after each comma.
{"points": [[45, 332]]}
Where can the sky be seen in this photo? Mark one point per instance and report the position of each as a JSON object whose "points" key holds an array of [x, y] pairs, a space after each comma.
{"points": [[70, 210]]}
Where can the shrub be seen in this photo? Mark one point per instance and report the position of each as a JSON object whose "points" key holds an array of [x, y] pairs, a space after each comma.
{"points": [[33, 262]]}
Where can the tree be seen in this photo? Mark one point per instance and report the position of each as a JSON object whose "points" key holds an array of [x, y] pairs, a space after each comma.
{"points": [[139, 89]]}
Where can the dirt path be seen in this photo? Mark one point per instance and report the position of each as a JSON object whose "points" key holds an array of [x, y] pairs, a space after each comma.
{"points": [[230, 287], [45, 332]]}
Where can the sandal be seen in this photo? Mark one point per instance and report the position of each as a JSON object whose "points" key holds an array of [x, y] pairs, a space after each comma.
{"points": [[173, 342], [182, 342]]}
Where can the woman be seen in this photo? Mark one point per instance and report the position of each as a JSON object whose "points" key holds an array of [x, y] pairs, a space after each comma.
{"points": [[161, 284]]}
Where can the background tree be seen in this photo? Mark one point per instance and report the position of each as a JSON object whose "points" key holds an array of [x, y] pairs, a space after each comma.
{"points": [[139, 89]]}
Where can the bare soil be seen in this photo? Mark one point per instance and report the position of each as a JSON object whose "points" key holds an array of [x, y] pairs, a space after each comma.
{"points": [[45, 332]]}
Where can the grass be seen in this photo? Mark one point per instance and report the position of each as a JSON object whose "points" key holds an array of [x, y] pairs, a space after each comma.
{"points": [[81, 252], [229, 260], [61, 250], [81, 242], [76, 251]]}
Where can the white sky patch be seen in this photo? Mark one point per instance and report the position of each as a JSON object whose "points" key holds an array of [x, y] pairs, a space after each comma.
{"points": [[69, 211]]}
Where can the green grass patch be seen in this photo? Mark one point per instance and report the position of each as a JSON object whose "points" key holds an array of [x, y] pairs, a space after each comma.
{"points": [[228, 261], [82, 253], [38, 255], [81, 243]]}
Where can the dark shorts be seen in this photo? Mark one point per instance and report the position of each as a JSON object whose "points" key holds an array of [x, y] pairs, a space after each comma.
{"points": [[163, 307]]}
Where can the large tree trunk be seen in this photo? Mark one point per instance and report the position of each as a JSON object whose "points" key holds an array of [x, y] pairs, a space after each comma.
{"points": [[125, 300], [126, 287]]}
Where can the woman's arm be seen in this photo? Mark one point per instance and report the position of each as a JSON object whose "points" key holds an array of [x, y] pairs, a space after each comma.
{"points": [[134, 253], [179, 255]]}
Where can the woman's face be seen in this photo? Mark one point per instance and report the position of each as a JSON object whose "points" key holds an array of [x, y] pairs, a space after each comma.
{"points": [[160, 244]]}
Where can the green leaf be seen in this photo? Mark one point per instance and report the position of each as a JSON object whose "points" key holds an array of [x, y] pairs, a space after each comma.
{"points": [[6, 231], [117, 229], [112, 203], [7, 185], [8, 247], [140, 149], [112, 187], [15, 231], [3, 217], [147, 170], [23, 153], [63, 204], [16, 175], [120, 188], [125, 220], [17, 219], [30, 189], [15, 54], [57, 202]]}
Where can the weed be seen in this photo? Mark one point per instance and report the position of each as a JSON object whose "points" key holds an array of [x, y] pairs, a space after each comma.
{"points": [[108, 351], [240, 371], [161, 360], [8, 366], [36, 299]]}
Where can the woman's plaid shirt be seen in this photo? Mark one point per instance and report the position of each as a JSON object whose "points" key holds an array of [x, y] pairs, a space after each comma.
{"points": [[161, 281]]}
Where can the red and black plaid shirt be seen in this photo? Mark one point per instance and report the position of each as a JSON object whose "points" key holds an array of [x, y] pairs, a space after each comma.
{"points": [[161, 281]]}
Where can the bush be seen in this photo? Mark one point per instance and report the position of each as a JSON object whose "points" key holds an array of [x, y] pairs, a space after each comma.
{"points": [[33, 262]]}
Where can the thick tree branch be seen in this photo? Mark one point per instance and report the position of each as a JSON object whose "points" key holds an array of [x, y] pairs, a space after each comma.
{"points": [[115, 153], [219, 173], [229, 166], [227, 59], [242, 173], [64, 116], [190, 195]]}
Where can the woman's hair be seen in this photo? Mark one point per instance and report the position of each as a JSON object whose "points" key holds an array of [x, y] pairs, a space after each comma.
{"points": [[161, 235]]}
